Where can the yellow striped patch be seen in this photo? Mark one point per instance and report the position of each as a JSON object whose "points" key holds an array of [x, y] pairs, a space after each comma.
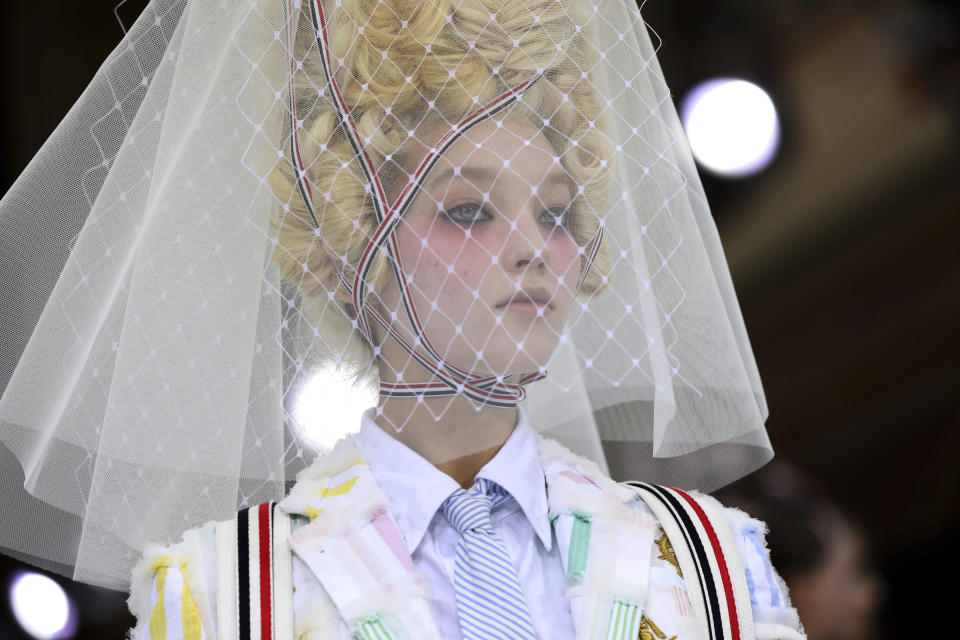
{"points": [[188, 610], [340, 489], [158, 617]]}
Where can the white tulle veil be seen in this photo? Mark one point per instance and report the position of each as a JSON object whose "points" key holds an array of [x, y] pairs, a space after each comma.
{"points": [[175, 258]]}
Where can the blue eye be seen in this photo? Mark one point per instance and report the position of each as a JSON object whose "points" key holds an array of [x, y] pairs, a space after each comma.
{"points": [[467, 214], [555, 217]]}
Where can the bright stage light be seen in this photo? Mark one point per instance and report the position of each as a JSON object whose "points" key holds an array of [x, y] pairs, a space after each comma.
{"points": [[329, 406], [42, 607], [732, 126]]}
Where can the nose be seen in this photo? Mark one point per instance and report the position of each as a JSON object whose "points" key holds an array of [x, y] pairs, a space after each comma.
{"points": [[526, 244]]}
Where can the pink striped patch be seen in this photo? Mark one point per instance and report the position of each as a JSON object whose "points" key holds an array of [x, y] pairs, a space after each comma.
{"points": [[388, 531]]}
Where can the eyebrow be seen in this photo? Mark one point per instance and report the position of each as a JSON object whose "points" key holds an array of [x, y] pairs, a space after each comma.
{"points": [[486, 176]]}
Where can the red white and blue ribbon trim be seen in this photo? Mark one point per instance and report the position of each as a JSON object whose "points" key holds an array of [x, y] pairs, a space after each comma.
{"points": [[255, 571], [712, 556], [451, 380]]}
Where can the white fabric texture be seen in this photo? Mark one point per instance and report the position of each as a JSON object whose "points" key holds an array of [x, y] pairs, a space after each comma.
{"points": [[416, 490]]}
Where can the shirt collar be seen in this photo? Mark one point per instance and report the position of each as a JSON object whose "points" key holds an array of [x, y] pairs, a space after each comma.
{"points": [[416, 489], [516, 468]]}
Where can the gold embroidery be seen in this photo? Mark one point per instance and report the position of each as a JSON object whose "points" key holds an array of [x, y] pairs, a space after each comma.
{"points": [[650, 631], [666, 551]]}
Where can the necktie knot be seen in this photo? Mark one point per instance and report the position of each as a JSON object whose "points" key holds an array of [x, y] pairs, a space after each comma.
{"points": [[469, 509]]}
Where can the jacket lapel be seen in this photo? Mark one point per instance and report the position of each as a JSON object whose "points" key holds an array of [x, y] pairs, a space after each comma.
{"points": [[354, 549], [604, 545]]}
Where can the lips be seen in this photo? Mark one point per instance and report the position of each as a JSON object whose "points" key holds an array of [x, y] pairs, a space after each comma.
{"points": [[536, 296]]}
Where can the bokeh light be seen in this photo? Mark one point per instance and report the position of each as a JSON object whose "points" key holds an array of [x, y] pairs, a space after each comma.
{"points": [[732, 126], [329, 406], [42, 607]]}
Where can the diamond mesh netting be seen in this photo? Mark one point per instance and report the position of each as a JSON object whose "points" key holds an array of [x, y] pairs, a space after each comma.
{"points": [[458, 208]]}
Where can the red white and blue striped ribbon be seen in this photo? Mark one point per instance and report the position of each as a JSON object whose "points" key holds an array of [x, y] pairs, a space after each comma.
{"points": [[451, 380], [713, 572]]}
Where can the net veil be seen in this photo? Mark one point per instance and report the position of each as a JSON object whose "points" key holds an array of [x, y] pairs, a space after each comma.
{"points": [[450, 205]]}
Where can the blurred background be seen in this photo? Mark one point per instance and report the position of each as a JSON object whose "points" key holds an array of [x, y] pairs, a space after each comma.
{"points": [[827, 134]]}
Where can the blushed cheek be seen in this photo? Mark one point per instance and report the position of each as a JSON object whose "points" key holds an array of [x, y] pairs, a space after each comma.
{"points": [[565, 259], [446, 251], [468, 256], [425, 250]]}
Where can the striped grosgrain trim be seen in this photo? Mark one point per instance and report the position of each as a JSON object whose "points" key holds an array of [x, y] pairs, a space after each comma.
{"points": [[699, 536], [255, 572], [303, 185]]}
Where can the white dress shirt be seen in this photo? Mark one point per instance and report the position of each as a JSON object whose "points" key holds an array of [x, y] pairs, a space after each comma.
{"points": [[416, 489]]}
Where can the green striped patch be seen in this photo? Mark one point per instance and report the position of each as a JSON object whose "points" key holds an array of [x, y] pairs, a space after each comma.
{"points": [[579, 544], [624, 621], [371, 628]]}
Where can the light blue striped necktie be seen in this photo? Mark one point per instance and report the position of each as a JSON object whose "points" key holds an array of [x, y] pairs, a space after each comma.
{"points": [[490, 603]]}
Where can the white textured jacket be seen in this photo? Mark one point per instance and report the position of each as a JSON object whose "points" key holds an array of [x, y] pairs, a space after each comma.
{"points": [[369, 543]]}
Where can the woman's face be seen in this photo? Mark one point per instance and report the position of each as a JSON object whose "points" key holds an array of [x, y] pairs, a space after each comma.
{"points": [[491, 265]]}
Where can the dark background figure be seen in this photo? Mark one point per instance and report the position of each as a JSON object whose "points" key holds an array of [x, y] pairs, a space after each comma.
{"points": [[843, 252], [822, 555]]}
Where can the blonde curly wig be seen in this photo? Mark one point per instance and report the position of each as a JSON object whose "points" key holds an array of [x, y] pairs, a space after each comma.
{"points": [[405, 67]]}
